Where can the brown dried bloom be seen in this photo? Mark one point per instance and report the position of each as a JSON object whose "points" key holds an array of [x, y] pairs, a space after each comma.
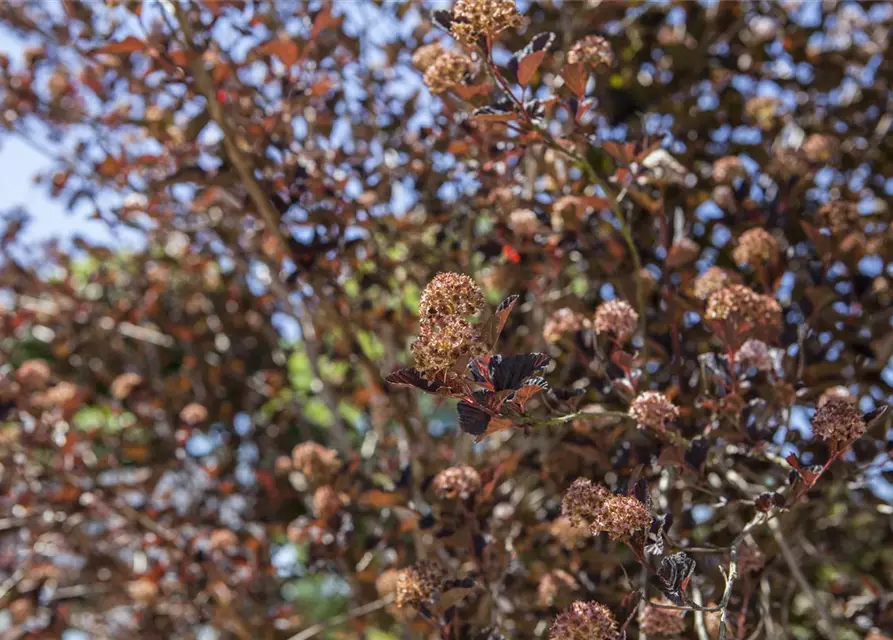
{"points": [[594, 505], [327, 502], [838, 215], [475, 18], [563, 322], [420, 584], [524, 222], [740, 304], [728, 169], [193, 413], [584, 621], [551, 584], [567, 532], [763, 110], [653, 409], [447, 71], [617, 318], [838, 392], [821, 148], [33, 374], [755, 354], [457, 482], [315, 461], [838, 420], [788, 163], [439, 348], [386, 582], [756, 247], [593, 51], [427, 55], [450, 295], [711, 281], [657, 621]]}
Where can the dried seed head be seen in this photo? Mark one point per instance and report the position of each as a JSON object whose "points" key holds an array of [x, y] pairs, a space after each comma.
{"points": [[660, 622], [821, 148], [728, 169], [551, 584], [593, 51], [420, 584], [327, 502], [838, 392], [616, 318], [33, 374], [750, 558], [563, 322], [653, 409], [386, 582], [524, 222], [475, 18], [449, 70], [788, 163], [457, 482], [762, 110], [427, 55], [756, 247], [838, 215], [740, 305], [450, 295], [755, 354], [711, 281], [838, 420], [594, 505], [316, 462], [584, 621], [439, 348]]}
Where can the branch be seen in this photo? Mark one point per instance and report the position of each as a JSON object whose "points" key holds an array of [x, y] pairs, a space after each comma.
{"points": [[732, 573], [358, 612]]}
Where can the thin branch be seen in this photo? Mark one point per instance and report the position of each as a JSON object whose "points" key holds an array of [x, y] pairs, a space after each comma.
{"points": [[825, 624], [353, 614]]}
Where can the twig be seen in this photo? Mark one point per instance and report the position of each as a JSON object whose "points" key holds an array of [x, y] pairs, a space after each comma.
{"points": [[825, 625], [732, 573], [359, 612], [699, 615]]}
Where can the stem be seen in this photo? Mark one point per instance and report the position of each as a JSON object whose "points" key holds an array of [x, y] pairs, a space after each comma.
{"points": [[358, 612]]}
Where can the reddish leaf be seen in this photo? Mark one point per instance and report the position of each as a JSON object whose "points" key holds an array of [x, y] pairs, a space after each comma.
{"points": [[532, 55], [576, 78], [129, 44]]}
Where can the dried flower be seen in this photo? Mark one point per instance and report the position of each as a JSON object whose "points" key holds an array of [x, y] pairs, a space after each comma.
{"points": [[386, 582], [584, 621], [653, 409], [457, 482], [788, 163], [617, 318], [756, 247], [569, 533], [427, 55], [728, 169], [449, 70], [473, 19], [821, 148], [741, 305], [551, 584], [594, 505], [838, 420], [450, 295], [316, 462], [711, 281], [682, 252], [327, 502], [193, 413], [124, 384], [439, 348], [563, 322], [657, 621], [593, 51], [762, 110], [838, 392], [33, 374], [524, 222], [420, 584], [838, 215], [755, 354]]}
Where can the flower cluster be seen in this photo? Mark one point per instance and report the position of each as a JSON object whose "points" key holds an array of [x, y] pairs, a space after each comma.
{"points": [[653, 409], [616, 318], [602, 511], [564, 322], [474, 19], [457, 482], [448, 70], [420, 584], [584, 621], [711, 281], [756, 247], [593, 51], [838, 420], [661, 622], [741, 306], [316, 462]]}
